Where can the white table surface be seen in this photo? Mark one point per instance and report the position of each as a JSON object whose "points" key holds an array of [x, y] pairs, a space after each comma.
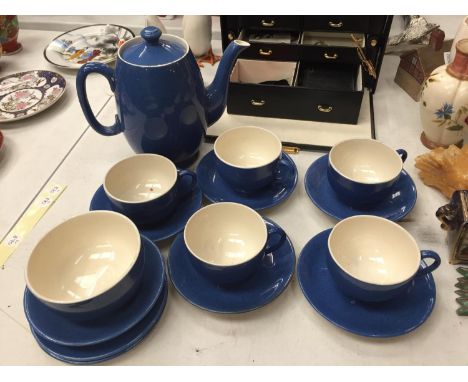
{"points": [[288, 331]]}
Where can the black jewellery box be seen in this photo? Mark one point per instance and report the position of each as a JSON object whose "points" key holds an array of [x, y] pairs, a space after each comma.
{"points": [[312, 77]]}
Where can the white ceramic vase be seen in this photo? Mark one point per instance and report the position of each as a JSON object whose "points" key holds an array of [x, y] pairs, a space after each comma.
{"points": [[197, 33], [461, 34], [444, 102]]}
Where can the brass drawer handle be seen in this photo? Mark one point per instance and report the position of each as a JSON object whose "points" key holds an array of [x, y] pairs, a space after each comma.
{"points": [[268, 24], [333, 56], [257, 103], [265, 52], [335, 25], [324, 109]]}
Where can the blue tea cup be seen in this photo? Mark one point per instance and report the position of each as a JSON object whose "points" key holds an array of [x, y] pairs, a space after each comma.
{"points": [[374, 259], [227, 241], [247, 157], [363, 171], [147, 188]]}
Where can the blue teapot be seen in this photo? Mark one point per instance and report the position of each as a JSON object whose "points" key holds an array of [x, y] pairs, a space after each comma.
{"points": [[162, 104]]}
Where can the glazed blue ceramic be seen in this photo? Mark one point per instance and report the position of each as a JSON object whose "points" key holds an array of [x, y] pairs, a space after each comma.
{"points": [[164, 230], [395, 207], [55, 328], [364, 291], [357, 193], [110, 349], [109, 301], [268, 282], [247, 179], [152, 212], [235, 274], [383, 319], [162, 104], [217, 190]]}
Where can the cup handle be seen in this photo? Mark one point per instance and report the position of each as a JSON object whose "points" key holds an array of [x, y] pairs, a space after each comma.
{"points": [[85, 70], [426, 254], [403, 154], [185, 191], [275, 231]]}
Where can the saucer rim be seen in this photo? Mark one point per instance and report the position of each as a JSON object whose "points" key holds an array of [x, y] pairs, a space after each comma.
{"points": [[115, 353], [262, 207], [197, 195], [125, 328], [225, 312], [398, 217], [396, 333]]}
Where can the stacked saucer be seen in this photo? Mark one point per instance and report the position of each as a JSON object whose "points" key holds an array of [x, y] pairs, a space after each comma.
{"points": [[100, 307], [231, 260]]}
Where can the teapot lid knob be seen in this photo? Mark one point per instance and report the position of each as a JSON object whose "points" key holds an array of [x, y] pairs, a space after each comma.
{"points": [[151, 34]]}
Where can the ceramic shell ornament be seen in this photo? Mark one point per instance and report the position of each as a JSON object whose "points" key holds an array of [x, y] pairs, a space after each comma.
{"points": [[444, 102]]}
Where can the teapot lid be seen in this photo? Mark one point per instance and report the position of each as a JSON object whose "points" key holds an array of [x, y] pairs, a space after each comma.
{"points": [[153, 48]]}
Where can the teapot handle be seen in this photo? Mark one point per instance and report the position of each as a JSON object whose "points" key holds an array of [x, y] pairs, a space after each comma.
{"points": [[85, 70]]}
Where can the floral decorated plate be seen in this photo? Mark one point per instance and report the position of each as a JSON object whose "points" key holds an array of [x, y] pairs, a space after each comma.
{"points": [[28, 93], [96, 43]]}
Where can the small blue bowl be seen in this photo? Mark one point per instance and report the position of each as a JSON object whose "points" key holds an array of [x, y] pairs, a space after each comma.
{"points": [[373, 259], [363, 171], [247, 157], [147, 188], [87, 266], [227, 241]]}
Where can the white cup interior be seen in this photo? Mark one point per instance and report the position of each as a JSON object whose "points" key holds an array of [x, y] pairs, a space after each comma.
{"points": [[374, 250], [83, 257], [247, 147], [225, 234], [365, 161], [140, 178]]}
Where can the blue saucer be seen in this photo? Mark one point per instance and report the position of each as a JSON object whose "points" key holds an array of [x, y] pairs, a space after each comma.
{"points": [[324, 197], [384, 319], [267, 283], [163, 230], [217, 190], [54, 327], [112, 348]]}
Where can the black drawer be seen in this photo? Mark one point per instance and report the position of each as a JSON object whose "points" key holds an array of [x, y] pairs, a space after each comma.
{"points": [[293, 23], [321, 94], [337, 23], [276, 52], [329, 55]]}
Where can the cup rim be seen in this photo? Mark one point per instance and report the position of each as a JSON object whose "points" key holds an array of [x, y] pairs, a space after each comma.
{"points": [[136, 255], [112, 196], [374, 141], [386, 221], [217, 205], [248, 127]]}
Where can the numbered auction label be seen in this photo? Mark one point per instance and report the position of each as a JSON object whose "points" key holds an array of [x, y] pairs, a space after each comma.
{"points": [[28, 220]]}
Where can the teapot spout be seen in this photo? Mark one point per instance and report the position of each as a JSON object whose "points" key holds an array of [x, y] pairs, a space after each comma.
{"points": [[216, 92]]}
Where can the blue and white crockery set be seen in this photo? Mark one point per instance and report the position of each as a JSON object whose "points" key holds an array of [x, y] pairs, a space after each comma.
{"points": [[96, 284]]}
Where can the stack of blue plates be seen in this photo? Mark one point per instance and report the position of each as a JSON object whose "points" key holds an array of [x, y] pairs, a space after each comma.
{"points": [[87, 342]]}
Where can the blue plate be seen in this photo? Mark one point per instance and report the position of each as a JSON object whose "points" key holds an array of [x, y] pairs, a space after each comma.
{"points": [[56, 328], [267, 283], [112, 348], [163, 230], [324, 197], [384, 319], [217, 190]]}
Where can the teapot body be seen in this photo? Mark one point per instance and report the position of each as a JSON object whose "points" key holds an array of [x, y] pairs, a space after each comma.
{"points": [[161, 110]]}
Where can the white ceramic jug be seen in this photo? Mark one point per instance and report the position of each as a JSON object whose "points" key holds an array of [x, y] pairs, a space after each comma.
{"points": [[444, 101]]}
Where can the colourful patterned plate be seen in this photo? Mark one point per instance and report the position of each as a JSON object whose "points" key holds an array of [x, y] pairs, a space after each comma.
{"points": [[25, 94], [96, 43]]}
